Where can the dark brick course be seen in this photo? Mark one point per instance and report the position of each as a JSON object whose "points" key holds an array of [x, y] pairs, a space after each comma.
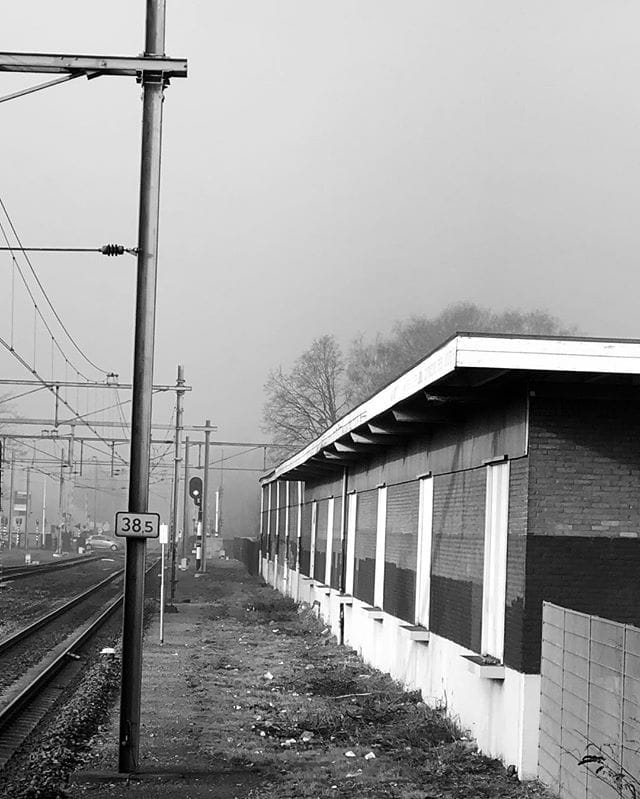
{"points": [[592, 575]]}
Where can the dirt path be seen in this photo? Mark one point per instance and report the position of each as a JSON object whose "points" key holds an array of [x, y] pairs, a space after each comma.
{"points": [[250, 697]]}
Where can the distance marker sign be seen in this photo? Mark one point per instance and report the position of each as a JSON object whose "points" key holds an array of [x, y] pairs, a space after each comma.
{"points": [[137, 525]]}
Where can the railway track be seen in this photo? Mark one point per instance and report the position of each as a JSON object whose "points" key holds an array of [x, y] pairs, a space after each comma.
{"points": [[18, 572], [28, 698]]}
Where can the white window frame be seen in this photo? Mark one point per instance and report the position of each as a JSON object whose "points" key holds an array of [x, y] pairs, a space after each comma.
{"points": [[352, 511], [299, 524], [269, 523], [314, 526], [287, 496], [495, 559], [381, 540], [276, 531], [425, 545]]}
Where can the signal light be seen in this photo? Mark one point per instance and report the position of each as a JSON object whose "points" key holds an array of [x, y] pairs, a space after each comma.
{"points": [[195, 490]]}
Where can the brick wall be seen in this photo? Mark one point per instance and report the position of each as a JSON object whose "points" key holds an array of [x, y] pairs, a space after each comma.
{"points": [[272, 521], [583, 550], [516, 563], [365, 545], [336, 551], [321, 539], [305, 539], [584, 467], [458, 553], [401, 547], [281, 523], [293, 523], [264, 541]]}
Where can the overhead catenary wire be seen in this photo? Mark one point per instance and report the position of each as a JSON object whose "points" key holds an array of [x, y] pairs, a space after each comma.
{"points": [[44, 293], [53, 391], [106, 249], [19, 396], [37, 310]]}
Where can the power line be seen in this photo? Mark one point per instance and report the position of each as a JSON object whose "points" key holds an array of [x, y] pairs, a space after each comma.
{"points": [[46, 296], [52, 389], [106, 249], [36, 309], [18, 396]]}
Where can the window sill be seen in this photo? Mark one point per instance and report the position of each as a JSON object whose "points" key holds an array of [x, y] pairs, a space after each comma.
{"points": [[374, 613], [416, 632], [484, 668]]}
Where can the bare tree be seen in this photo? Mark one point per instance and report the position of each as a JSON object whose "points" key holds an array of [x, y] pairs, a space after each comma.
{"points": [[302, 403], [372, 365]]}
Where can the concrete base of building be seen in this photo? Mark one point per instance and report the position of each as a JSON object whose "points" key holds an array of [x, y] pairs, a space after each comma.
{"points": [[498, 707]]}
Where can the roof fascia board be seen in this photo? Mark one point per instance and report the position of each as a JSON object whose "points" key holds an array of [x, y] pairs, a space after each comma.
{"points": [[568, 355], [432, 368], [475, 350]]}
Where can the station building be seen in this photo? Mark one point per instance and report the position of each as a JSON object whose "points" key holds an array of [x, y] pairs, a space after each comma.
{"points": [[430, 523]]}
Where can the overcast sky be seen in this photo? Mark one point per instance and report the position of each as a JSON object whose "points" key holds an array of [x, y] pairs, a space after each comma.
{"points": [[329, 167]]}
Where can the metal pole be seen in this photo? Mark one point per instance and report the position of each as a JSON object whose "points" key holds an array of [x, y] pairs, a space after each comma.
{"points": [[186, 521], [152, 88], [220, 518], [95, 495], [61, 504], [205, 495], [11, 484], [44, 510], [163, 548], [176, 485], [27, 509]]}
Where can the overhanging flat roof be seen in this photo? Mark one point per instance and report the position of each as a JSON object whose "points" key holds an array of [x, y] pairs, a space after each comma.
{"points": [[492, 356]]}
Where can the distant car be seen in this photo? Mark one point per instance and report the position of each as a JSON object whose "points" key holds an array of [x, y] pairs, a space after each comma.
{"points": [[102, 542]]}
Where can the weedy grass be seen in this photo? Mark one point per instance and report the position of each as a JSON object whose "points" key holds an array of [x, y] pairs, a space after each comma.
{"points": [[268, 690]]}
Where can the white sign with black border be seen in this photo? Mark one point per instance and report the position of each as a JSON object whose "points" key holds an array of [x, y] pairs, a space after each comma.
{"points": [[137, 525]]}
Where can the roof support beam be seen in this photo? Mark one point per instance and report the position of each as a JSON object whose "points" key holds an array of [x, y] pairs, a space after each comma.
{"points": [[392, 428], [348, 448], [374, 440], [417, 417], [341, 457]]}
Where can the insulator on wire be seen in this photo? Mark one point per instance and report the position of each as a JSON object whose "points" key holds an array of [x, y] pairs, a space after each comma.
{"points": [[112, 249]]}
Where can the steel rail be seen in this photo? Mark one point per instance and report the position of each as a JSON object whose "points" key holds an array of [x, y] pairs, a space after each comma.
{"points": [[16, 572], [38, 624], [9, 713], [28, 694]]}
